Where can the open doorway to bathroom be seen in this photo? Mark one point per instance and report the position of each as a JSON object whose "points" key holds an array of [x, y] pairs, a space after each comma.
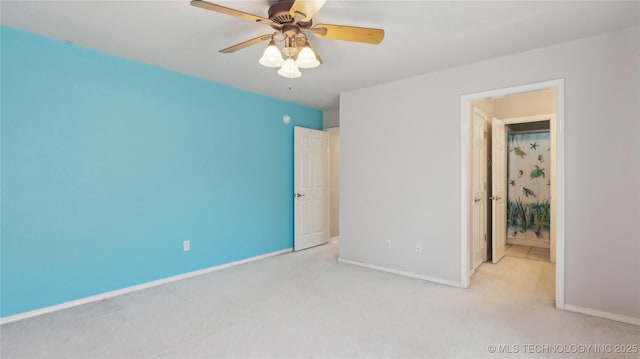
{"points": [[512, 173], [528, 199]]}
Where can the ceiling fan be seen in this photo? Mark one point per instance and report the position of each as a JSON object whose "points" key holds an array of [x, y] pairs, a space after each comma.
{"points": [[292, 20]]}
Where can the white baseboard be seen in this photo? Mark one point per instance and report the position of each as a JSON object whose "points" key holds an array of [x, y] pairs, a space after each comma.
{"points": [[155, 283], [600, 314], [402, 273]]}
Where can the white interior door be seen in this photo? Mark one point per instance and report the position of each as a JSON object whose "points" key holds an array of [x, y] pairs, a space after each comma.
{"points": [[499, 189], [479, 184], [311, 195]]}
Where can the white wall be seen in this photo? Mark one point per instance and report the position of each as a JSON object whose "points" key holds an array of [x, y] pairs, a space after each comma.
{"points": [[331, 118], [400, 176]]}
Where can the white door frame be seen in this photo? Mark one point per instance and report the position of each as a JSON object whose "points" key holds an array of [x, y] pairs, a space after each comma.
{"points": [[465, 170]]}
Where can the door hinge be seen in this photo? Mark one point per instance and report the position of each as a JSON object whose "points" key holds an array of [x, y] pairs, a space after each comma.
{"points": [[485, 134], [485, 237]]}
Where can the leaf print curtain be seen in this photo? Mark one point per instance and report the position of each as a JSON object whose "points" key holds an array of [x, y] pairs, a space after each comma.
{"points": [[528, 186]]}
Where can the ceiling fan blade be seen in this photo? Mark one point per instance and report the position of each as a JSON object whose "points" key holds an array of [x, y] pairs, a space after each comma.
{"points": [[247, 43], [300, 42], [231, 12], [308, 9], [348, 33]]}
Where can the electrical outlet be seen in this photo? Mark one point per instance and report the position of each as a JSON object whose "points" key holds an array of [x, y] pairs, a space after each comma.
{"points": [[387, 243], [186, 246], [418, 247]]}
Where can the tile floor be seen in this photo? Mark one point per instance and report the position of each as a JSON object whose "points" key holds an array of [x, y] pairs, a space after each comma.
{"points": [[527, 252], [309, 305]]}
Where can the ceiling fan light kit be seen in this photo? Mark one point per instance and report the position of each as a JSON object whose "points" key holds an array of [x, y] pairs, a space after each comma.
{"points": [[289, 69], [271, 56], [307, 58], [292, 19]]}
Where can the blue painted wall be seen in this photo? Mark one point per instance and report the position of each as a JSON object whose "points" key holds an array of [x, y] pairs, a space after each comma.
{"points": [[108, 165]]}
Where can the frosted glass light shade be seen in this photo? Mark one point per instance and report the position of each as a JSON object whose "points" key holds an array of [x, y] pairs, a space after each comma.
{"points": [[271, 56], [307, 59], [289, 70]]}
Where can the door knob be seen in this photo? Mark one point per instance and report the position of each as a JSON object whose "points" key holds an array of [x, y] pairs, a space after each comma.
{"points": [[495, 197], [297, 195], [476, 199]]}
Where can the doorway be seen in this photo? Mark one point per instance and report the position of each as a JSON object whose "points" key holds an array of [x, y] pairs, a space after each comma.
{"points": [[523, 183], [469, 210], [334, 183]]}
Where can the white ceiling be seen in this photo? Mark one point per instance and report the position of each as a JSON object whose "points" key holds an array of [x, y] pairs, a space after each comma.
{"points": [[421, 37]]}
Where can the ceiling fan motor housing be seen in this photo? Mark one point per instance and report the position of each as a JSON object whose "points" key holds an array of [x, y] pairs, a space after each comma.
{"points": [[279, 13]]}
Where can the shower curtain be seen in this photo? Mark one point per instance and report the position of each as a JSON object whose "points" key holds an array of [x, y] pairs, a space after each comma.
{"points": [[529, 186]]}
